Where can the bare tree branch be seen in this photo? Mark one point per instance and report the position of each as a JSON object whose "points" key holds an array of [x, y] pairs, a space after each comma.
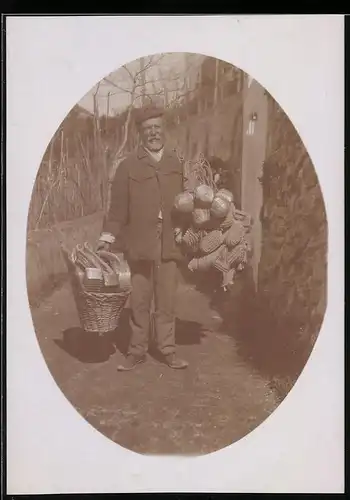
{"points": [[48, 193], [162, 79], [128, 72], [150, 63], [139, 85], [128, 91]]}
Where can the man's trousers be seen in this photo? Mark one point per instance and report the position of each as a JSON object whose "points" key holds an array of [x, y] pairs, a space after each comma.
{"points": [[148, 278]]}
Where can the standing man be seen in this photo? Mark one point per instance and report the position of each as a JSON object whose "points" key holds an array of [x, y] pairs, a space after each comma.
{"points": [[140, 224]]}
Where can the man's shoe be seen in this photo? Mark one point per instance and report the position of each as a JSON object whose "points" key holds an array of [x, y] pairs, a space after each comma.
{"points": [[130, 363], [173, 362]]}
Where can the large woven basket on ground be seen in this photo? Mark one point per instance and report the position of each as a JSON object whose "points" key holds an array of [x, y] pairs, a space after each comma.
{"points": [[98, 312]]}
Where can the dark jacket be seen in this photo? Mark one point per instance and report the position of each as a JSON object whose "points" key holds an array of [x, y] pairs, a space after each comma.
{"points": [[140, 189]]}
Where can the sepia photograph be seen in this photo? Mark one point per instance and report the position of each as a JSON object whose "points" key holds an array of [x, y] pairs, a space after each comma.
{"points": [[176, 255]]}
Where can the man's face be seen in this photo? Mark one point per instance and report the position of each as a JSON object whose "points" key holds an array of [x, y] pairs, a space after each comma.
{"points": [[152, 133]]}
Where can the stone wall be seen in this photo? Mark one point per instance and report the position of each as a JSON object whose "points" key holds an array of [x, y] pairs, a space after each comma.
{"points": [[45, 266]]}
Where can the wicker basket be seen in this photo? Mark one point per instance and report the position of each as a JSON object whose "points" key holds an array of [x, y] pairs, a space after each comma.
{"points": [[184, 202], [211, 241], [226, 194], [234, 235], [229, 219], [191, 240], [221, 263], [220, 207], [244, 218], [204, 196], [231, 258], [98, 312], [206, 262], [200, 216], [237, 255]]}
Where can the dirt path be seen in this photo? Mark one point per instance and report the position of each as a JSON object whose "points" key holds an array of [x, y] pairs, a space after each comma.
{"points": [[153, 409]]}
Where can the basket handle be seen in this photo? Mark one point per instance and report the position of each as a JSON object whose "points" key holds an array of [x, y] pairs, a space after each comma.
{"points": [[112, 258], [95, 256], [71, 267]]}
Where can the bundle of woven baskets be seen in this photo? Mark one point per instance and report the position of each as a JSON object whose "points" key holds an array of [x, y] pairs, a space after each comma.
{"points": [[216, 234], [101, 285]]}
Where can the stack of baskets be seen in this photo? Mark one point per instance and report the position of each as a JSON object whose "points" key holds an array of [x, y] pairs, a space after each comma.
{"points": [[101, 285], [214, 234]]}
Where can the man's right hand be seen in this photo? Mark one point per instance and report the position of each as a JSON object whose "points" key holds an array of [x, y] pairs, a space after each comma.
{"points": [[103, 245]]}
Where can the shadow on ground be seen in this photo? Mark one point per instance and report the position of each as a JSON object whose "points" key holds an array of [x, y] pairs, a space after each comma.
{"points": [[90, 347], [85, 346], [269, 342], [214, 403]]}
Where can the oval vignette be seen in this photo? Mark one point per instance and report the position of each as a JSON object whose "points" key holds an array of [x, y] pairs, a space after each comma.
{"points": [[247, 346]]}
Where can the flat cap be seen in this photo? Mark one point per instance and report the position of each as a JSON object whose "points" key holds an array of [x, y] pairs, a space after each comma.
{"points": [[147, 112]]}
